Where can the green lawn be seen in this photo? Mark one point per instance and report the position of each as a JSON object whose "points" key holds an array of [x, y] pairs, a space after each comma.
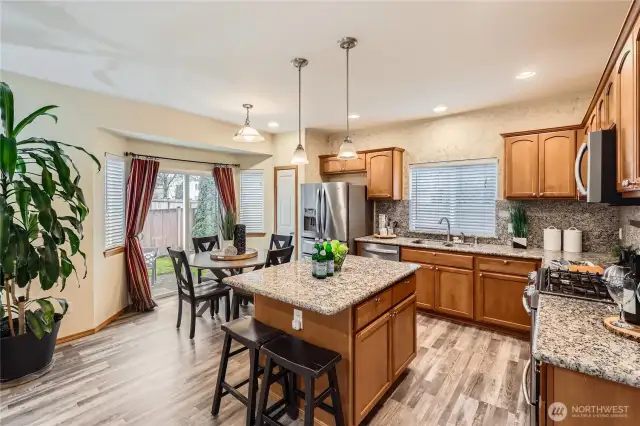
{"points": [[164, 266]]}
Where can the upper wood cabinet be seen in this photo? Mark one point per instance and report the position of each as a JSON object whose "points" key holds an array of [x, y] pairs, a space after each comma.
{"points": [[331, 165], [540, 165], [557, 156], [521, 166], [610, 103], [384, 174], [626, 121], [357, 165]]}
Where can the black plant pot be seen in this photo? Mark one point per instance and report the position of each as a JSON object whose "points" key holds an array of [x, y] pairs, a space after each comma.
{"points": [[240, 238], [26, 354]]}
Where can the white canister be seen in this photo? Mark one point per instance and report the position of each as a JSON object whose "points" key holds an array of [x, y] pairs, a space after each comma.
{"points": [[552, 239], [573, 240]]}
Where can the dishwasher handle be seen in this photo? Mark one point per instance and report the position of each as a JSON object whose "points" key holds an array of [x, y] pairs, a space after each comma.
{"points": [[380, 251]]}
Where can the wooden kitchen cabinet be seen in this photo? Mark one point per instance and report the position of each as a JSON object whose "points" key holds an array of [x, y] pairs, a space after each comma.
{"points": [[454, 291], [373, 369], [331, 165], [626, 121], [499, 300], [521, 166], [403, 335], [384, 174], [557, 154], [426, 286], [356, 165]]}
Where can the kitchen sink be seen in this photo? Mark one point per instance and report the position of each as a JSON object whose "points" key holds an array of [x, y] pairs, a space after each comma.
{"points": [[444, 243]]}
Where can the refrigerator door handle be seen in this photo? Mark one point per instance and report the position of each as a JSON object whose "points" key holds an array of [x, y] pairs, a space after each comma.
{"points": [[318, 217], [323, 214]]}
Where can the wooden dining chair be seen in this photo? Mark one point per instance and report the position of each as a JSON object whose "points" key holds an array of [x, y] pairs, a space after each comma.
{"points": [[210, 292], [280, 241], [205, 244]]}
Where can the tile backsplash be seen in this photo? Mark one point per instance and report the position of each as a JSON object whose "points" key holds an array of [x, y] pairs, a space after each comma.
{"points": [[630, 233], [598, 222]]}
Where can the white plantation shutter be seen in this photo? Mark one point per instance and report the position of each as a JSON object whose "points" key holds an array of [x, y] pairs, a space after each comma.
{"points": [[114, 211], [465, 192], [252, 200]]}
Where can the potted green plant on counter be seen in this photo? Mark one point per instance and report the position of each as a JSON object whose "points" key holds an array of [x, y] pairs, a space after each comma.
{"points": [[520, 224], [36, 239], [227, 226]]}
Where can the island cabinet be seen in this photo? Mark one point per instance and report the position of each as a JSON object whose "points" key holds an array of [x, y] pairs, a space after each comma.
{"points": [[588, 400]]}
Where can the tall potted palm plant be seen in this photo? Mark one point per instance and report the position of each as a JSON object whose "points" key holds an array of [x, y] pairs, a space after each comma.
{"points": [[36, 239]]}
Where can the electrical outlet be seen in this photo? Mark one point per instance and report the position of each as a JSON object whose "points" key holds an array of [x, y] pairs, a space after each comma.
{"points": [[510, 228], [296, 324]]}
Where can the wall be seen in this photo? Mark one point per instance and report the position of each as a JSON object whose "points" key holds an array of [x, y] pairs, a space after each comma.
{"points": [[82, 117], [630, 233]]}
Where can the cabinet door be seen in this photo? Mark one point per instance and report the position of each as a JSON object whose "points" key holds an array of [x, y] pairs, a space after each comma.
{"points": [[499, 300], [454, 291], [403, 335], [521, 166], [372, 362], [600, 118], [330, 165], [610, 102], [356, 165], [425, 286], [625, 124], [593, 121], [557, 160], [380, 174]]}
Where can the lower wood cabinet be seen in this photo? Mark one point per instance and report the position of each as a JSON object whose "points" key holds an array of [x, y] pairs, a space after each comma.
{"points": [[498, 300], [383, 350], [426, 286], [454, 291]]}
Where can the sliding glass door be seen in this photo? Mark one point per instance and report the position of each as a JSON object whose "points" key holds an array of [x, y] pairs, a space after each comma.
{"points": [[184, 206]]}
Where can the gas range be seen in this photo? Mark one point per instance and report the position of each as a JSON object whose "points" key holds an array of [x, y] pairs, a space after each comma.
{"points": [[579, 285]]}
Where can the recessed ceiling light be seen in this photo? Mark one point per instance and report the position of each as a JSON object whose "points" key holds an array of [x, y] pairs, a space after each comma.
{"points": [[353, 116], [525, 75], [273, 124], [440, 108]]}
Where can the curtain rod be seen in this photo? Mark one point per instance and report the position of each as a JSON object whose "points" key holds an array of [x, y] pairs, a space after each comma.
{"points": [[133, 154]]}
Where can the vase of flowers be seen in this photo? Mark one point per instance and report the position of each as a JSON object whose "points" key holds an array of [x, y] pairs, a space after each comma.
{"points": [[227, 226], [520, 224]]}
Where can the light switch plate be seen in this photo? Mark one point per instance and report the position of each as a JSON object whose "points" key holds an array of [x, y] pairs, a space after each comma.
{"points": [[297, 319], [510, 228]]}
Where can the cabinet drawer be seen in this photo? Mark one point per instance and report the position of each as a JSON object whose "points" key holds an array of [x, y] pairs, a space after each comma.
{"points": [[371, 309], [506, 266], [434, 257], [403, 289]]}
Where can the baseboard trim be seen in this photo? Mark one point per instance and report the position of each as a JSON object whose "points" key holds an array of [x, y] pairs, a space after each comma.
{"points": [[91, 331], [520, 334]]}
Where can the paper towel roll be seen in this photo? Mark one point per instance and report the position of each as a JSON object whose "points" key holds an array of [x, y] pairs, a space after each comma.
{"points": [[573, 240], [552, 239]]}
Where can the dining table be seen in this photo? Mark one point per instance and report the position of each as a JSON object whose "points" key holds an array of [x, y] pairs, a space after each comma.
{"points": [[225, 268]]}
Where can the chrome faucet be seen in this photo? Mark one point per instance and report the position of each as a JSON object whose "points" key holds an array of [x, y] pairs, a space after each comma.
{"points": [[448, 227]]}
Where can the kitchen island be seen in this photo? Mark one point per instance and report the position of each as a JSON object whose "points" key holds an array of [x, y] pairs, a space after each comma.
{"points": [[367, 313]]}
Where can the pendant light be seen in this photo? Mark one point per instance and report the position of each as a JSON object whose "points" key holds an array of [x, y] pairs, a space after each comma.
{"points": [[246, 132], [299, 155], [347, 149]]}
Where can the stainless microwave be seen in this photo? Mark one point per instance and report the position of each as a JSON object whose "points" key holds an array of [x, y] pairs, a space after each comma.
{"points": [[600, 184]]}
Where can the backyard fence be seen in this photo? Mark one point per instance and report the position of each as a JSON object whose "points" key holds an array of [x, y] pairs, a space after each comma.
{"points": [[163, 227]]}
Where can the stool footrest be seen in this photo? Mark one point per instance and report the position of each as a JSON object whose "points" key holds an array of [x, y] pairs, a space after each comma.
{"points": [[228, 389], [238, 351], [324, 395]]}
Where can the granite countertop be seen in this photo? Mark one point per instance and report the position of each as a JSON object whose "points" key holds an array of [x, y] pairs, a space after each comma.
{"points": [[545, 256], [569, 333], [292, 283]]}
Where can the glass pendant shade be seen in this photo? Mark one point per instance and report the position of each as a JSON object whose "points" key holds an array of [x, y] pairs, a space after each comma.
{"points": [[299, 156], [347, 150], [248, 134]]}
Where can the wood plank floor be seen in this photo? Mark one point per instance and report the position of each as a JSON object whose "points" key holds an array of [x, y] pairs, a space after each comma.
{"points": [[142, 371]]}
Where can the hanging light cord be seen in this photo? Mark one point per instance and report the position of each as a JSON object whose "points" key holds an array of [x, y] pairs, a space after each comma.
{"points": [[246, 122], [348, 48], [299, 106]]}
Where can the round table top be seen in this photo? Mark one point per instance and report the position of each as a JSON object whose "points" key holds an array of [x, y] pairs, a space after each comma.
{"points": [[203, 261]]}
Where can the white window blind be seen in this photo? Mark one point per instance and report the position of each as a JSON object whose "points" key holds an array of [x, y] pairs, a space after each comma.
{"points": [[114, 211], [465, 192], [252, 200]]}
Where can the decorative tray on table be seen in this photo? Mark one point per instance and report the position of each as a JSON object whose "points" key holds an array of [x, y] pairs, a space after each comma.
{"points": [[220, 255]]}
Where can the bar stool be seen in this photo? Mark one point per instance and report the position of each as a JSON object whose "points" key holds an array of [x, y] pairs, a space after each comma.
{"points": [[309, 361], [252, 335]]}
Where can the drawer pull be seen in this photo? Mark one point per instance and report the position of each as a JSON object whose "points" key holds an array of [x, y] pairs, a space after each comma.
{"points": [[479, 275], [437, 269], [505, 261], [431, 267], [377, 300]]}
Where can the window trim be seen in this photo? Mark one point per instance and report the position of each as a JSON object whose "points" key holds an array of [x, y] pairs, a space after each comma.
{"points": [[452, 163], [119, 248], [262, 230]]}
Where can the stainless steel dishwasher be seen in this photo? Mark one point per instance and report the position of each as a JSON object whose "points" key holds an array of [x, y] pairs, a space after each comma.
{"points": [[380, 251]]}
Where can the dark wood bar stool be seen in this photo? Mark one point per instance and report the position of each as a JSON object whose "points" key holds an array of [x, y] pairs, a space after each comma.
{"points": [[252, 335], [308, 361]]}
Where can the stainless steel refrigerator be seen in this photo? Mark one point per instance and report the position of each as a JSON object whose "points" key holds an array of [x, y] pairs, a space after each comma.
{"points": [[334, 211]]}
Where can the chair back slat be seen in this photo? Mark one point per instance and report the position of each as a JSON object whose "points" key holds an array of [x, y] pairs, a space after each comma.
{"points": [[181, 268], [204, 244], [278, 256], [280, 241]]}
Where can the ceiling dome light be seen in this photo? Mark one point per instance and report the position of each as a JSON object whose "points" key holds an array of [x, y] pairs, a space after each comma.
{"points": [[347, 149], [353, 116], [440, 108], [273, 124], [299, 155], [246, 132], [525, 75]]}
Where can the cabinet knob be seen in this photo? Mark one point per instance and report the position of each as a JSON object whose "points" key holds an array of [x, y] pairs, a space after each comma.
{"points": [[377, 299], [625, 183], [479, 275], [505, 262], [437, 269], [433, 253], [535, 195], [431, 267]]}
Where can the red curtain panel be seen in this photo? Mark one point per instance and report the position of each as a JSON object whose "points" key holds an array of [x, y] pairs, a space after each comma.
{"points": [[142, 182], [224, 182]]}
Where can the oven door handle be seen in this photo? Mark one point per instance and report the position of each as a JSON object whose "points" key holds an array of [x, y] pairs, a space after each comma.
{"points": [[525, 391], [581, 185], [525, 303]]}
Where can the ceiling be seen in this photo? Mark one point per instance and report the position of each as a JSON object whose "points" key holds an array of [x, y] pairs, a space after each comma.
{"points": [[210, 58]]}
